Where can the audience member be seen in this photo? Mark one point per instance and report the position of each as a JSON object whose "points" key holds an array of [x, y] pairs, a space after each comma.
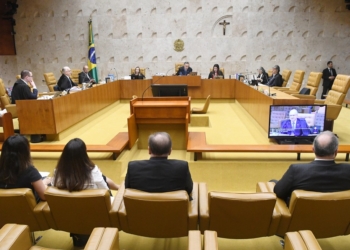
{"points": [[294, 125], [159, 174], [276, 78], [21, 91], [328, 76], [85, 76], [216, 73], [262, 76], [137, 74], [320, 175], [16, 167], [184, 70], [65, 82]]}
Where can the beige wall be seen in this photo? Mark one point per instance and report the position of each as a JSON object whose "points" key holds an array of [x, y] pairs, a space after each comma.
{"points": [[296, 34]]}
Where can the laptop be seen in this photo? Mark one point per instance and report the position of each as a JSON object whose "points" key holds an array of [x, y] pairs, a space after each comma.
{"points": [[193, 74], [218, 77]]}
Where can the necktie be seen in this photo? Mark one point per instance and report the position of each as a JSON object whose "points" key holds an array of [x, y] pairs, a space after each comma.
{"points": [[87, 75], [330, 71]]}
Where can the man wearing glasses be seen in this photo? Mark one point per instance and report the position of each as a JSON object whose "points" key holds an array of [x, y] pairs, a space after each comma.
{"points": [[21, 89]]}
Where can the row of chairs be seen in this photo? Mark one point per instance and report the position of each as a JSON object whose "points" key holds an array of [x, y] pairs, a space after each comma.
{"points": [[171, 214], [13, 236]]}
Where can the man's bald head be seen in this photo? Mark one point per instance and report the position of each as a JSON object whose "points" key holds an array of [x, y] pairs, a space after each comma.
{"points": [[159, 144], [326, 145]]}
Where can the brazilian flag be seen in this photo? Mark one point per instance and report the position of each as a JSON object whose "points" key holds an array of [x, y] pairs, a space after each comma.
{"points": [[92, 54]]}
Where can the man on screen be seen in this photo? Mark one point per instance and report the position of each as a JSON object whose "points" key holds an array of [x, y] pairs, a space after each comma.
{"points": [[295, 126]]}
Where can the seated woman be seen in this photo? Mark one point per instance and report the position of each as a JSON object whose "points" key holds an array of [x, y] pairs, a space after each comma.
{"points": [[216, 73], [16, 167], [262, 76], [137, 74]]}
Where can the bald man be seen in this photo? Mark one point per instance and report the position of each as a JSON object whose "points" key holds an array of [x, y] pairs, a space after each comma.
{"points": [[320, 175], [65, 82], [159, 174], [85, 76], [295, 126]]}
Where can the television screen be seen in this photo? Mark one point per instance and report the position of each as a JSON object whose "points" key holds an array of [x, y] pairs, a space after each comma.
{"points": [[169, 89], [296, 121]]}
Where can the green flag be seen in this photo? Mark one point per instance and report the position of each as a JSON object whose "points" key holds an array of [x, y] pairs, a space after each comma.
{"points": [[92, 54]]}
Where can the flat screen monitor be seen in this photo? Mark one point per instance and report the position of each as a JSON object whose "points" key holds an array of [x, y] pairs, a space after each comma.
{"points": [[169, 90], [296, 124]]}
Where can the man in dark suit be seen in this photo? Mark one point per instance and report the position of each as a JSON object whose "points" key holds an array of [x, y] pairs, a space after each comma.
{"points": [[276, 78], [85, 76], [21, 91], [184, 70], [294, 125], [65, 82], [159, 174], [328, 76], [320, 175]]}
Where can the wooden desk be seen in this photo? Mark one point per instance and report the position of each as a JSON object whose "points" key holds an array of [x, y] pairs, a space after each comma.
{"points": [[257, 104], [159, 114], [191, 81], [55, 115], [128, 88]]}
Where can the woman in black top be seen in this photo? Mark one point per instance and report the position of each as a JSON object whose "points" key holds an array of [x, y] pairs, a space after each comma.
{"points": [[262, 76], [16, 169], [137, 74], [216, 72]]}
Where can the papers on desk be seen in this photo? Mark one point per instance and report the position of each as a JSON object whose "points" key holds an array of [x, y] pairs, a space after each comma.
{"points": [[45, 97], [74, 89], [44, 174], [2, 112]]}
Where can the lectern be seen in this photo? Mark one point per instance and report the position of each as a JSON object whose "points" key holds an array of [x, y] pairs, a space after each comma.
{"points": [[159, 114]]}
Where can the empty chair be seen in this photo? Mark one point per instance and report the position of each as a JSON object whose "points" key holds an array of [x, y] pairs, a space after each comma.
{"points": [[302, 240], [312, 84], [80, 212], [13, 237], [19, 206], [238, 216], [285, 76], [313, 211], [159, 215], [204, 109], [50, 80], [296, 83]]}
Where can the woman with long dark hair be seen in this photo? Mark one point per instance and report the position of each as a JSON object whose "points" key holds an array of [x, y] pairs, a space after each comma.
{"points": [[137, 74], [216, 73], [16, 167], [262, 76]]}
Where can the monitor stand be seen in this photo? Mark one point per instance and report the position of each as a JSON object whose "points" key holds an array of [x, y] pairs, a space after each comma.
{"points": [[295, 140]]}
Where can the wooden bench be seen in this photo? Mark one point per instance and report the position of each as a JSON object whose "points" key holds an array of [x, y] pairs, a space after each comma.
{"points": [[197, 144], [114, 146]]}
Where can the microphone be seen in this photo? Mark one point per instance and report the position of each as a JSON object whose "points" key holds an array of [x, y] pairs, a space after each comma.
{"points": [[116, 72], [168, 71], [150, 86]]}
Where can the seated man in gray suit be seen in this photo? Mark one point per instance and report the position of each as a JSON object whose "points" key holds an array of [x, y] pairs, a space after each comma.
{"points": [[320, 175], [159, 174]]}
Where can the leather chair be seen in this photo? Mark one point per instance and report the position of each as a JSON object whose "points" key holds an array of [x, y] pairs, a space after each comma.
{"points": [[19, 206], [75, 75], [177, 66], [50, 80], [18, 77], [269, 72], [302, 240], [80, 212], [325, 214], [5, 101], [210, 240], [142, 71], [13, 237], [238, 216], [7, 126], [159, 215], [297, 79], [313, 83], [204, 109], [285, 76], [293, 88]]}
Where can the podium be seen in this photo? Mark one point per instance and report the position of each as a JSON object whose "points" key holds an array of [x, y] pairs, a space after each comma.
{"points": [[159, 114]]}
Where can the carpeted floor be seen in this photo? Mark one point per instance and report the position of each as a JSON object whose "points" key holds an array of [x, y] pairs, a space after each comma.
{"points": [[225, 122]]}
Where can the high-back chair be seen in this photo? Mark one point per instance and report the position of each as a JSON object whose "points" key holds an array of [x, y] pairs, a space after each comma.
{"points": [[50, 80], [177, 66], [285, 76], [238, 216], [13, 237], [312, 84], [296, 83], [5, 101], [19, 206], [159, 215], [142, 71], [301, 240], [80, 212], [75, 75], [204, 109]]}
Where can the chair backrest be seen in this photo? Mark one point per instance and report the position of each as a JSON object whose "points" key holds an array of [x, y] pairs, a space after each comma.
{"points": [[18, 77], [299, 76], [17, 206], [221, 69], [313, 82], [269, 72], [204, 109], [13, 236], [75, 75], [4, 98], [177, 66], [242, 216], [325, 214], [157, 215], [79, 212], [142, 71], [339, 90], [286, 75], [295, 86], [50, 80]]}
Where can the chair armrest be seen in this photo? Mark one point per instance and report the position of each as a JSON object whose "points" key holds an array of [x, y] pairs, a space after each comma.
{"points": [[117, 203], [310, 240], [318, 101], [265, 187], [294, 241], [39, 215], [11, 108], [48, 216], [290, 92], [300, 96], [13, 236], [210, 240], [103, 238], [194, 240], [203, 207], [333, 111], [193, 208], [282, 208], [281, 88]]}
